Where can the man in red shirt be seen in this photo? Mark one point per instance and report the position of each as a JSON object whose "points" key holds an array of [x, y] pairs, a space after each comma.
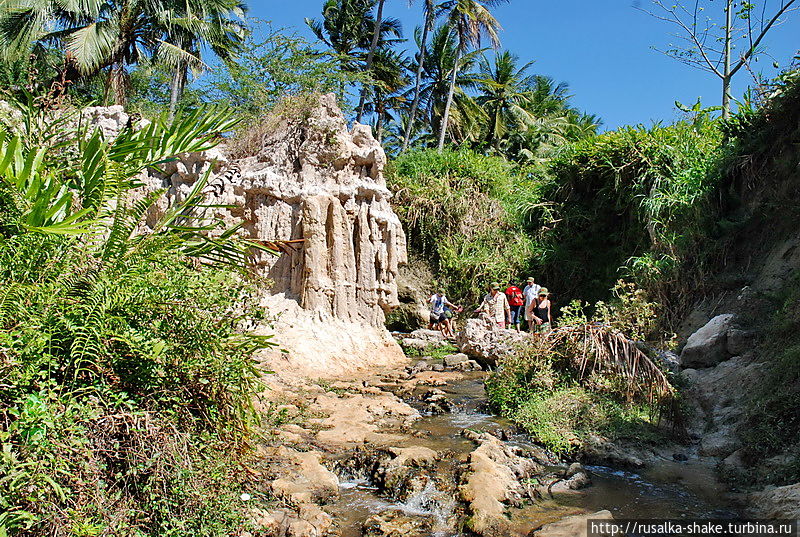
{"points": [[516, 302]]}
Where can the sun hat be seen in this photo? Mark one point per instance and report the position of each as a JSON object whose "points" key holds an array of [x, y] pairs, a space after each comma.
{"points": [[531, 280], [495, 285], [543, 291], [440, 292]]}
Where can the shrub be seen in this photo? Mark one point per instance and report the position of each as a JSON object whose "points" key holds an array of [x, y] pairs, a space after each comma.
{"points": [[126, 379], [461, 211]]}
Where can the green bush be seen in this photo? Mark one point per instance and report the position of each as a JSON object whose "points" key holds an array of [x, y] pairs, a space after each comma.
{"points": [[462, 211], [127, 381]]}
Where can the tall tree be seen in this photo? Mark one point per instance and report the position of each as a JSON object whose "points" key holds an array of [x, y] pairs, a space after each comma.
{"points": [[219, 25], [465, 115], [376, 34], [429, 16], [470, 21], [100, 35], [347, 28], [722, 42], [505, 96]]}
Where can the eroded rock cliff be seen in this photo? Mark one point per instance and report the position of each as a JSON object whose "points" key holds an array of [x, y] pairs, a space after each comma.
{"points": [[301, 175]]}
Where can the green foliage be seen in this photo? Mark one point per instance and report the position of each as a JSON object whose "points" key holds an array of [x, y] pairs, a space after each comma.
{"points": [[460, 210], [270, 68], [635, 198], [544, 388], [126, 378], [772, 424]]}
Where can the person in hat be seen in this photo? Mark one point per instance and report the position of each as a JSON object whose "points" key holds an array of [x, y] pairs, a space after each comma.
{"points": [[495, 307], [438, 319], [530, 292], [539, 312]]}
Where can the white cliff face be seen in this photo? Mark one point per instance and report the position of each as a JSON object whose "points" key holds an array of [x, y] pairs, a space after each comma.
{"points": [[313, 180], [307, 179]]}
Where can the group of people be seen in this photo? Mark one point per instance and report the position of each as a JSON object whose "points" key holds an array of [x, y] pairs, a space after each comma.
{"points": [[500, 309]]}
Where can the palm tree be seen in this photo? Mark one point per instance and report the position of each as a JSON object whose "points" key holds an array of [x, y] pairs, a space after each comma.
{"points": [[430, 17], [98, 34], [390, 69], [505, 96], [465, 114], [376, 34], [470, 21], [219, 25], [347, 28]]}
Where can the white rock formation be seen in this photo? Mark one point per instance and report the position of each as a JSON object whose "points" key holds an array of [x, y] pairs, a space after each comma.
{"points": [[308, 179], [487, 345]]}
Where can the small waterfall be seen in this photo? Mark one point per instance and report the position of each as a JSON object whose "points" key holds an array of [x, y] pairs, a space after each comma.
{"points": [[433, 502]]}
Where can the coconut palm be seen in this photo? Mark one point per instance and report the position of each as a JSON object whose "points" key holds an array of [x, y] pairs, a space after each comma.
{"points": [[465, 114], [100, 34], [429, 16], [505, 96], [219, 25], [470, 21], [347, 28], [389, 71], [376, 34]]}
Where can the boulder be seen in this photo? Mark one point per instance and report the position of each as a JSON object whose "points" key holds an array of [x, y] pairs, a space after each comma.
{"points": [[397, 523], [708, 346], [576, 526], [776, 503], [487, 345], [453, 360], [492, 481], [740, 341]]}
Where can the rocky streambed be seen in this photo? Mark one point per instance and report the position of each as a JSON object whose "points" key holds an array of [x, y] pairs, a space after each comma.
{"points": [[416, 453]]}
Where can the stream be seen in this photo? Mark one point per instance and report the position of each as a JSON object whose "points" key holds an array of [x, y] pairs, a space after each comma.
{"points": [[668, 489]]}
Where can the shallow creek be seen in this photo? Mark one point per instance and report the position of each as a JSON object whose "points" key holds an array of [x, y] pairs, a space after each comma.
{"points": [[667, 489]]}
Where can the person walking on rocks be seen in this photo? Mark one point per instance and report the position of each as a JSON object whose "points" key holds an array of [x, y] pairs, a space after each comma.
{"points": [[495, 307], [438, 319], [531, 292], [539, 311], [516, 302]]}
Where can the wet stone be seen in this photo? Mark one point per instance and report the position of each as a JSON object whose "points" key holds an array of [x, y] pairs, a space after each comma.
{"points": [[396, 523]]}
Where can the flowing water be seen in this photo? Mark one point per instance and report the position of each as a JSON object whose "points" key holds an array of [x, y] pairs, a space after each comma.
{"points": [[667, 490]]}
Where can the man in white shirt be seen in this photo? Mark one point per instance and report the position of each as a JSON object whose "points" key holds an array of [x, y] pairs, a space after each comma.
{"points": [[530, 293]]}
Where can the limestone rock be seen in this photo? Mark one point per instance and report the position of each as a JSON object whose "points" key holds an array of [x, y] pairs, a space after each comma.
{"points": [[453, 360], [396, 523], [708, 346], [776, 502], [304, 479], [308, 179], [575, 526], [486, 345], [491, 482], [740, 341]]}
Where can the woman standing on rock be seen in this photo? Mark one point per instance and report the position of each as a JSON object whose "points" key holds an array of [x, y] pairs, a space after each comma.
{"points": [[539, 311]]}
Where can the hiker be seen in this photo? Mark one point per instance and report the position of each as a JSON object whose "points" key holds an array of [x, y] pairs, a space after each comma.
{"points": [[438, 320], [539, 312], [494, 307], [531, 292], [449, 324], [516, 302]]}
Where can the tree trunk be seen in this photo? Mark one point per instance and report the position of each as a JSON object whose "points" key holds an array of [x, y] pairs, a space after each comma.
{"points": [[379, 125], [726, 78], [176, 90], [417, 84], [449, 102], [376, 33]]}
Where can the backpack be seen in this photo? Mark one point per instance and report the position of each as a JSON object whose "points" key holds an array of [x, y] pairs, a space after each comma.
{"points": [[515, 297]]}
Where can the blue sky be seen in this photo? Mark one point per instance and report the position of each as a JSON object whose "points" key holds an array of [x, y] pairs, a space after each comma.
{"points": [[601, 48]]}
